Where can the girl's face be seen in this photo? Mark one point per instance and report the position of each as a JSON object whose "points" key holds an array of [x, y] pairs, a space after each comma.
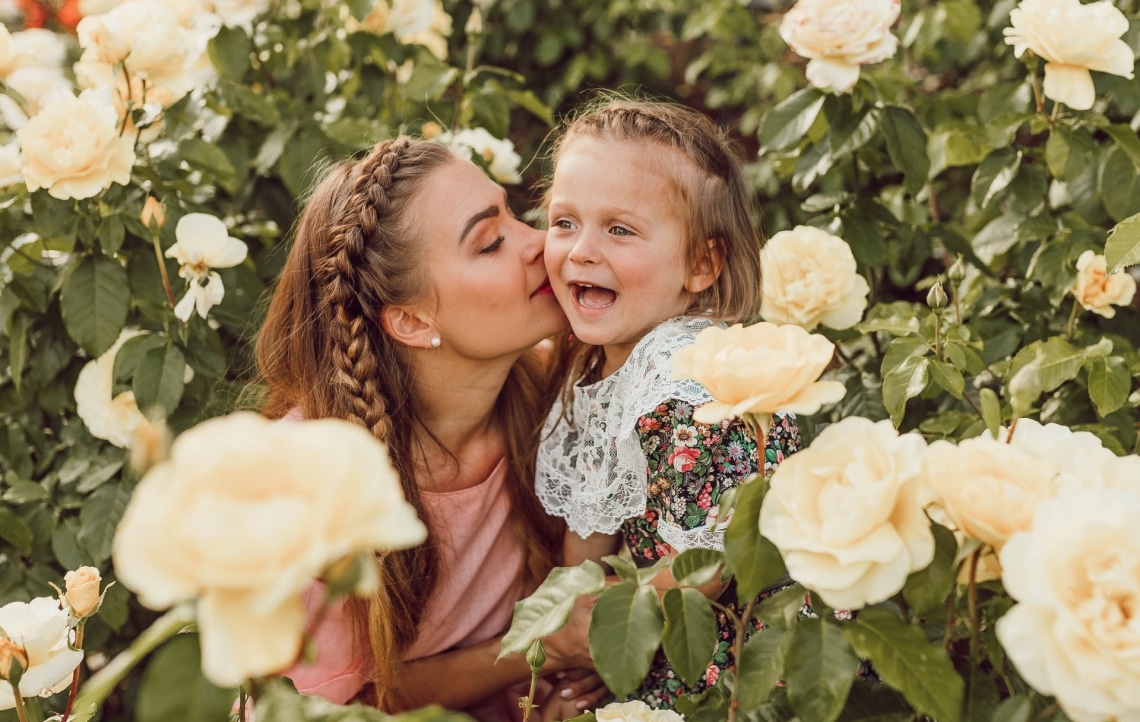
{"points": [[491, 296], [617, 248]]}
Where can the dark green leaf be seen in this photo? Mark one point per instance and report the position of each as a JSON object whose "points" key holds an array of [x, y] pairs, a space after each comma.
{"points": [[906, 661], [761, 666], [1119, 185], [66, 547], [948, 377], [1018, 708], [1127, 141], [547, 609], [981, 699], [994, 174], [230, 52], [904, 382], [1109, 383], [111, 234], [623, 568], [689, 635], [361, 8], [926, 590], [1123, 247], [94, 302], [18, 347], [99, 517], [173, 686], [754, 560], [819, 669], [991, 411], [785, 125], [211, 160], [15, 530], [695, 567], [159, 379], [625, 631], [906, 145], [1069, 152], [781, 609], [850, 138]]}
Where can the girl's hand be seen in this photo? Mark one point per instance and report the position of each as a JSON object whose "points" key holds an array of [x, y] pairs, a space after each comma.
{"points": [[570, 646], [575, 691]]}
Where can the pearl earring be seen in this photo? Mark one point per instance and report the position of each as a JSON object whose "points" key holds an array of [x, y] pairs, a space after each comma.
{"points": [[436, 341]]}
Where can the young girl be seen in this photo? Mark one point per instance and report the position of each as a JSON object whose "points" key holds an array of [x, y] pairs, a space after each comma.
{"points": [[651, 240]]}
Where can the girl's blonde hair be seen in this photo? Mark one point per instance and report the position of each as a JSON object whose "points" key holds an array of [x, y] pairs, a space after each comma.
{"points": [[322, 349]]}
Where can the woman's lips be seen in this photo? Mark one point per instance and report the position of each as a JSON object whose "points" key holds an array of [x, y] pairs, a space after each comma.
{"points": [[543, 289]]}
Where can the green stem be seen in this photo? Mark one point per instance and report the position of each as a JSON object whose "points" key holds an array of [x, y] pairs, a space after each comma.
{"points": [[21, 712], [75, 676], [103, 682], [737, 650], [975, 616], [1072, 319], [162, 269]]}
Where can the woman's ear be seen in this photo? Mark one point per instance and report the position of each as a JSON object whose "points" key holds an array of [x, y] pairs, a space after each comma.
{"points": [[707, 268], [408, 327]]}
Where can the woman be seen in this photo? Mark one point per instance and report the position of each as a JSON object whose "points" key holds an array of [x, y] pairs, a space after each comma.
{"points": [[411, 303]]}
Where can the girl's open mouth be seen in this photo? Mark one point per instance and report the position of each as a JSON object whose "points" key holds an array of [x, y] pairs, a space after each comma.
{"points": [[589, 296]]}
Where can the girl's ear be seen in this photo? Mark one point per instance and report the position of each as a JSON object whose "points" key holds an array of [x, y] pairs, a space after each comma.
{"points": [[707, 268], [408, 327]]}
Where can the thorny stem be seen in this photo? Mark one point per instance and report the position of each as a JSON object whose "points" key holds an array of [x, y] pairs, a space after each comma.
{"points": [[1041, 102], [737, 650], [162, 269], [975, 618], [74, 691]]}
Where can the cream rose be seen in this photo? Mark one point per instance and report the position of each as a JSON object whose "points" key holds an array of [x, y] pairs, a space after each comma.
{"points": [[1076, 577], [1098, 292], [73, 147], [810, 278], [238, 12], [10, 164], [7, 55], [82, 592], [243, 515], [204, 243], [112, 418], [36, 85], [847, 512], [839, 36], [758, 370], [39, 48], [38, 632], [1072, 38], [635, 711], [500, 156]]}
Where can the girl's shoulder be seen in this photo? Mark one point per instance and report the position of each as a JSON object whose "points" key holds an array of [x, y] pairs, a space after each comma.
{"points": [[649, 362]]}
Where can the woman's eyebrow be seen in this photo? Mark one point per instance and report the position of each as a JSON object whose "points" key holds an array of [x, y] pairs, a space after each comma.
{"points": [[488, 212]]}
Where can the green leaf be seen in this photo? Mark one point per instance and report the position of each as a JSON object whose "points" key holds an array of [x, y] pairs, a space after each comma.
{"points": [[898, 319], [1127, 141], [761, 666], [926, 590], [111, 234], [907, 662], [623, 568], [689, 635], [66, 547], [18, 347], [546, 611], [99, 517], [1069, 152], [994, 174], [249, 104], [694, 567], [625, 631], [904, 382], [361, 8], [1109, 383], [948, 377], [211, 160], [159, 379], [820, 668], [981, 699], [297, 158], [850, 138], [1123, 246], [94, 301], [173, 686], [15, 530], [991, 411], [1018, 708], [1119, 184], [785, 125], [781, 609], [906, 145], [1042, 366], [754, 560], [230, 53]]}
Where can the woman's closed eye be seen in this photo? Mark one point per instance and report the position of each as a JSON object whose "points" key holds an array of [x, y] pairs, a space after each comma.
{"points": [[492, 246]]}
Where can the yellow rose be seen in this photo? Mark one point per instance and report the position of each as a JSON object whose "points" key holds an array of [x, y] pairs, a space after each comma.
{"points": [[1072, 38], [243, 515], [82, 591], [758, 369], [73, 147], [839, 36], [1075, 574], [39, 637], [847, 512], [1098, 292], [809, 279]]}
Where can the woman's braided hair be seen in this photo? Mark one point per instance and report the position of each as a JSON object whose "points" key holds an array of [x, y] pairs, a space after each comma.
{"points": [[322, 348]]}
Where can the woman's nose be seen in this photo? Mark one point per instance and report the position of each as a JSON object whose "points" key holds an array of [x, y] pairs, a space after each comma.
{"points": [[535, 243]]}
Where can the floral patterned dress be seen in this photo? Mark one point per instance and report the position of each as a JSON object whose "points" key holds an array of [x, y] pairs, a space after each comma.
{"points": [[690, 465]]}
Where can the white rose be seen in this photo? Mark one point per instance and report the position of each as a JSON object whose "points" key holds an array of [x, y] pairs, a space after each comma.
{"points": [[1098, 292], [238, 12], [73, 147], [502, 160], [10, 164], [39, 629], [36, 85], [1078, 459], [96, 7], [243, 515], [7, 56], [40, 48], [1072, 38], [810, 278], [203, 244], [838, 36], [113, 419], [1076, 577], [758, 369], [635, 711], [847, 512]]}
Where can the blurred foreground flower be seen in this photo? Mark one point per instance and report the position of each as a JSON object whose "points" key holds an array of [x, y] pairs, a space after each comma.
{"points": [[37, 632], [243, 515], [810, 278], [1098, 292], [203, 243], [73, 147], [839, 36], [758, 370], [117, 418], [1076, 577], [847, 513], [1072, 38], [500, 156]]}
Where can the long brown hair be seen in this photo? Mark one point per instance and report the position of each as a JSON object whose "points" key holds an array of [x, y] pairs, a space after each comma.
{"points": [[713, 195], [322, 349]]}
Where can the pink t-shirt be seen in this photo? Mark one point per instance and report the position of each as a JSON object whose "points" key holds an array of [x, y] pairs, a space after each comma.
{"points": [[481, 561]]}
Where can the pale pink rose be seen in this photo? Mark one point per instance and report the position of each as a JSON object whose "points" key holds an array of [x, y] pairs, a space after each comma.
{"points": [[840, 36], [1097, 291], [1072, 38]]}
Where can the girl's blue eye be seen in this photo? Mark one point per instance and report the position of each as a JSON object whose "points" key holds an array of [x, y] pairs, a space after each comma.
{"points": [[564, 225], [493, 246], [621, 231]]}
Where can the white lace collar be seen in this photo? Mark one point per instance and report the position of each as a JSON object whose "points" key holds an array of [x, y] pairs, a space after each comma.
{"points": [[592, 472]]}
